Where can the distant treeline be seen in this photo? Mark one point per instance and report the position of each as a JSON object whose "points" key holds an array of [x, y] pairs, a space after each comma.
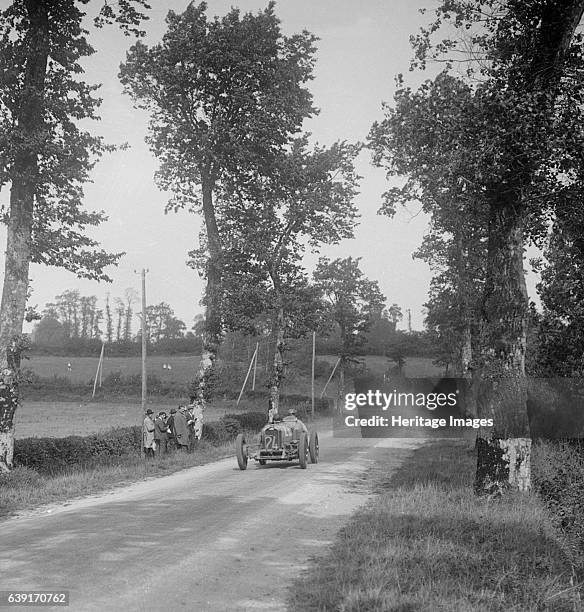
{"points": [[396, 346], [75, 325]]}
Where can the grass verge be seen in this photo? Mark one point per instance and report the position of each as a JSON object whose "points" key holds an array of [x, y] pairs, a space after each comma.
{"points": [[25, 488], [426, 543]]}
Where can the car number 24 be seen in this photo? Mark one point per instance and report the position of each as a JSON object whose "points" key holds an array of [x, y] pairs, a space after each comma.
{"points": [[270, 442]]}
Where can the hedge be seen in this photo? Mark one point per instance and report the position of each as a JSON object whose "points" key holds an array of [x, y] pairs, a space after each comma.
{"points": [[48, 455], [249, 420], [558, 477]]}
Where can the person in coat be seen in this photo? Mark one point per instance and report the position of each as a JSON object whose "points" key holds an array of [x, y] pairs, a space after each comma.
{"points": [[161, 433], [170, 429], [196, 410], [148, 429], [181, 429]]}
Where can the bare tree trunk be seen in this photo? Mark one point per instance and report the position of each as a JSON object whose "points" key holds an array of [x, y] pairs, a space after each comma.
{"points": [[212, 331], [109, 326], [18, 242], [278, 367]]}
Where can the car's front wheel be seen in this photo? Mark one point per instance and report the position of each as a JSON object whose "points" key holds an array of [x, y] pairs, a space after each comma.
{"points": [[313, 447], [303, 451], [241, 451]]}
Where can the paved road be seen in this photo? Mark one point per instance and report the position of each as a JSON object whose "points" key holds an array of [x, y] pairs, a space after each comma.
{"points": [[208, 538]]}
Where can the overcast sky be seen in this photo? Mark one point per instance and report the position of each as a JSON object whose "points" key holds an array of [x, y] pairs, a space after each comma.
{"points": [[363, 46]]}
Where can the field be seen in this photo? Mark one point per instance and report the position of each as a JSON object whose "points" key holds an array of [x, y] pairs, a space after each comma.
{"points": [[182, 368], [83, 369], [60, 419], [415, 367], [64, 418]]}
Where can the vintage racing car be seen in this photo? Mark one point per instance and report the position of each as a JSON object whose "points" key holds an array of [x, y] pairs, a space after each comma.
{"points": [[282, 440]]}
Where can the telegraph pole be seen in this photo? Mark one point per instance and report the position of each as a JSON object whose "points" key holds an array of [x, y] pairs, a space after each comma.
{"points": [[410, 320], [144, 345]]}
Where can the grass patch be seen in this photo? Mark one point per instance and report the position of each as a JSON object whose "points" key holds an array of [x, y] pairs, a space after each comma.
{"points": [[427, 543]]}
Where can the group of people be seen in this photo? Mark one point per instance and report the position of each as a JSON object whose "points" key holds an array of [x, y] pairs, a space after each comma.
{"points": [[178, 430]]}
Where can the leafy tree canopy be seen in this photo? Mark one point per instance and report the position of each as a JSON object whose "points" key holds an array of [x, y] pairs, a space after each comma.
{"points": [[47, 130]]}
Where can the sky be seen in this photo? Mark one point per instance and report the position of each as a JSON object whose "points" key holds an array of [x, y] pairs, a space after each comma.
{"points": [[362, 47]]}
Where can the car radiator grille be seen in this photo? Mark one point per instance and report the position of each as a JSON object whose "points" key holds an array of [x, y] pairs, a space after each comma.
{"points": [[272, 439]]}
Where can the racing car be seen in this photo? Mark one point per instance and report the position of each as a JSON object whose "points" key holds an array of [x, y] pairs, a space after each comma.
{"points": [[281, 440]]}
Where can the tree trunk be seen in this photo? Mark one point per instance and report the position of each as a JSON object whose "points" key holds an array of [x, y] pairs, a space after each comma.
{"points": [[465, 357], [19, 232], [212, 329], [278, 367], [468, 375], [504, 456], [504, 452]]}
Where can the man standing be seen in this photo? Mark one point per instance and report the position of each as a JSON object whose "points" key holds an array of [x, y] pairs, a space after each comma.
{"points": [[161, 433], [170, 429], [197, 412], [181, 429], [148, 429]]}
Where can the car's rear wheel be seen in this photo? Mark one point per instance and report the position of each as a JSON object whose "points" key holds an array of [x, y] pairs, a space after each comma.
{"points": [[303, 451], [241, 451], [262, 461], [313, 447]]}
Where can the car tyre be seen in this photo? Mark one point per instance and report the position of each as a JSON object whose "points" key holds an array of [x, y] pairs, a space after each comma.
{"points": [[241, 451], [313, 447], [303, 451]]}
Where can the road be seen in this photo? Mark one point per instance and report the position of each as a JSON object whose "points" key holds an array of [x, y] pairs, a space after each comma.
{"points": [[211, 538]]}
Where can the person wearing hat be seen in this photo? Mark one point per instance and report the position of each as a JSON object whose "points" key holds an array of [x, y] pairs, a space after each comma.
{"points": [[196, 411], [170, 430], [295, 423], [181, 429], [161, 433], [148, 429]]}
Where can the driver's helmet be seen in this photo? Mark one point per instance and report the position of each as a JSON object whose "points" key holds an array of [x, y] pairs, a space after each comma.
{"points": [[292, 412]]}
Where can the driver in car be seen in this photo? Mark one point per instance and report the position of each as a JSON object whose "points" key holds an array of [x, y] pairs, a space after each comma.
{"points": [[295, 423]]}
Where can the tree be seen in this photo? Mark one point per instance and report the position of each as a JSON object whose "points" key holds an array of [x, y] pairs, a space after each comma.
{"points": [[307, 200], [162, 324], [224, 96], [560, 328], [381, 332], [504, 138], [67, 306], [121, 315], [95, 322], [49, 331], [109, 325], [130, 296], [430, 137], [354, 301], [88, 311], [395, 314], [45, 158]]}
